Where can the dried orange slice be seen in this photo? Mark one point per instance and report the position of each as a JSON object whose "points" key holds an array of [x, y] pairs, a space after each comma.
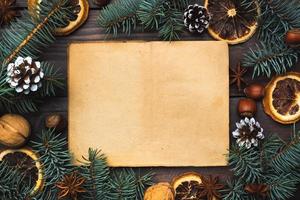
{"points": [[282, 98], [232, 21], [187, 186], [27, 163], [81, 12]]}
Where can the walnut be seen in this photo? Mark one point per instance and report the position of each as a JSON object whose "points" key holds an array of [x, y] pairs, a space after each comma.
{"points": [[14, 130], [160, 191]]}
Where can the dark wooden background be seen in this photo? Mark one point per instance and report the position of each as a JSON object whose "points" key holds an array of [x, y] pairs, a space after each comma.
{"points": [[57, 53]]}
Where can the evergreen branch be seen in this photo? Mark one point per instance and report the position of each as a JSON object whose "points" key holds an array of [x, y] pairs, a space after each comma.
{"points": [[266, 59], [142, 183], [234, 191], [119, 16], [245, 163], [127, 185], [122, 186], [281, 186], [270, 147], [288, 158], [151, 12], [11, 187], [33, 34], [52, 80], [22, 104], [172, 25], [180, 5], [278, 16], [55, 158], [96, 172]]}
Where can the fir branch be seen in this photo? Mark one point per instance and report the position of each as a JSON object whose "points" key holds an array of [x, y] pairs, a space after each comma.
{"points": [[28, 35], [172, 25], [281, 186], [266, 59], [22, 104], [245, 163], [119, 16], [127, 185], [151, 12], [55, 158], [180, 5], [96, 172], [122, 186], [235, 190], [11, 185], [288, 158], [142, 183], [278, 16], [52, 80], [270, 148]]}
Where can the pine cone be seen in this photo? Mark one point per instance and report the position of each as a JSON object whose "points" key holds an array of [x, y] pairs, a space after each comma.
{"points": [[25, 75], [248, 133], [196, 18]]}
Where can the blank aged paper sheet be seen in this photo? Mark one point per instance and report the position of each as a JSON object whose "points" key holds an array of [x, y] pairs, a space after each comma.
{"points": [[150, 103]]}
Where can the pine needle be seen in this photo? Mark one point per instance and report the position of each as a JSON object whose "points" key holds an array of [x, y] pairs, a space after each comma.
{"points": [[119, 16], [268, 58], [278, 16], [245, 163]]}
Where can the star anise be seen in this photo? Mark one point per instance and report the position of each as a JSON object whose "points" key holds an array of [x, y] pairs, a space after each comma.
{"points": [[260, 190], [71, 186], [236, 76], [7, 11], [210, 187]]}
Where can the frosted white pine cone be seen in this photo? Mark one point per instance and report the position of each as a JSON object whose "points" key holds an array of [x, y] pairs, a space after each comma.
{"points": [[25, 75], [248, 133]]}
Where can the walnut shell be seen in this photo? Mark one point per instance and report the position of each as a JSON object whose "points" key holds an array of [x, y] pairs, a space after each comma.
{"points": [[14, 130], [160, 191]]}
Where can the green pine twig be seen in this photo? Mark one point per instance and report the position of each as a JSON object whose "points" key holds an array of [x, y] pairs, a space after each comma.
{"points": [[245, 163], [96, 172], [281, 186], [278, 16], [288, 158], [11, 187], [172, 25], [151, 12], [119, 16], [55, 158], [267, 58], [234, 190], [28, 35]]}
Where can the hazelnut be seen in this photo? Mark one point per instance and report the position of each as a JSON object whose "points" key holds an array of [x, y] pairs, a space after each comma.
{"points": [[292, 37], [14, 130], [255, 91], [247, 107], [160, 191], [56, 121]]}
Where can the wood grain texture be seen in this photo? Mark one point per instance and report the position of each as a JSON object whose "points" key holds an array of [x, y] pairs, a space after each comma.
{"points": [[57, 54]]}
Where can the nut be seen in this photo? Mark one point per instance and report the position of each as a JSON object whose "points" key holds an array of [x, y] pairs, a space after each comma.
{"points": [[56, 121], [14, 130], [292, 37], [247, 107], [160, 191], [255, 91]]}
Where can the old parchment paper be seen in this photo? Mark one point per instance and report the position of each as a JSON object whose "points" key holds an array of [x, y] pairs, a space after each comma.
{"points": [[150, 103]]}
